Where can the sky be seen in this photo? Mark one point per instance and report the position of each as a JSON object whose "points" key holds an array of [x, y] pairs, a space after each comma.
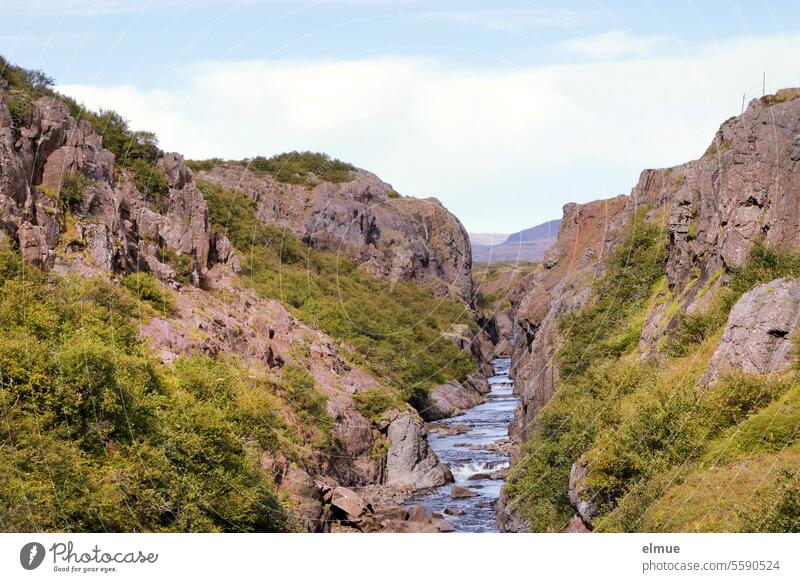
{"points": [[503, 110]]}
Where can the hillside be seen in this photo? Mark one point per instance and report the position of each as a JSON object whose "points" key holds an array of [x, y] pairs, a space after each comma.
{"points": [[527, 245], [242, 347], [657, 368]]}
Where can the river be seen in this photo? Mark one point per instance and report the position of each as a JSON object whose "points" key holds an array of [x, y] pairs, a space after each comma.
{"points": [[479, 451]]}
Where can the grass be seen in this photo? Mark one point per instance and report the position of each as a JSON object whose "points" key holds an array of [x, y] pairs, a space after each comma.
{"points": [[393, 330], [662, 455]]}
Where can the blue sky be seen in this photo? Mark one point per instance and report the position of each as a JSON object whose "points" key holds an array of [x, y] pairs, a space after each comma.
{"points": [[503, 110]]}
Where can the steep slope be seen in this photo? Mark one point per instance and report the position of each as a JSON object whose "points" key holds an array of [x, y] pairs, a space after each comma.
{"points": [[650, 369], [130, 232]]}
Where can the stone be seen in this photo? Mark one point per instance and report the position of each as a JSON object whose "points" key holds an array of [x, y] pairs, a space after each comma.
{"points": [[453, 511], [410, 462], [349, 502], [33, 245], [457, 492], [585, 505], [479, 477], [450, 399], [576, 525]]}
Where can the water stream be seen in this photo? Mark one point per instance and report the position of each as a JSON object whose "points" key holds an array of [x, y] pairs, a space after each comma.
{"points": [[474, 455]]}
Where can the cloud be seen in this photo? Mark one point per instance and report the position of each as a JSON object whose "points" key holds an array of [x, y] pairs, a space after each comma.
{"points": [[611, 44], [503, 148]]}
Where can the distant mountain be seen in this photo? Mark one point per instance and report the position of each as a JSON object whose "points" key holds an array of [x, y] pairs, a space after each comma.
{"points": [[487, 238], [525, 245]]}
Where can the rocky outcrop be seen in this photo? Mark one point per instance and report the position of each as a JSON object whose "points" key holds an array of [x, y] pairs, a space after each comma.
{"points": [[69, 207], [561, 286], [758, 338], [108, 225], [580, 498], [387, 235], [410, 461], [454, 397]]}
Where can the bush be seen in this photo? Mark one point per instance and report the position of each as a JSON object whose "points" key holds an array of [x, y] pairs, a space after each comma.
{"points": [[302, 167], [778, 509], [97, 436], [373, 403], [148, 288], [72, 189], [604, 328]]}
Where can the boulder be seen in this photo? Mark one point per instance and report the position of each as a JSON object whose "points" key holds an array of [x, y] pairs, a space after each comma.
{"points": [[450, 399], [758, 335], [457, 492], [410, 462], [349, 503], [453, 511], [504, 349], [33, 245], [504, 325]]}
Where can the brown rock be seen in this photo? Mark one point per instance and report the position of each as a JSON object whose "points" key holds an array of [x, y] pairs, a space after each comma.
{"points": [[457, 492], [349, 502]]}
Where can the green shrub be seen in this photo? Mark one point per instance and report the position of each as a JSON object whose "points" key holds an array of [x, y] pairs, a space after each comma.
{"points": [[302, 167], [182, 264], [72, 189], [764, 264], [147, 288], [604, 328], [149, 180], [691, 330], [373, 403], [97, 436], [776, 510], [204, 165]]}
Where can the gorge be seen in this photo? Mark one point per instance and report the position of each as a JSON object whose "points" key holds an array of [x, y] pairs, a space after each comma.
{"points": [[290, 344]]}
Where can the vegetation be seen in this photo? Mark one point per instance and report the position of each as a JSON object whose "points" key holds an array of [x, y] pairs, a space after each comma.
{"points": [[97, 436], [147, 288], [302, 167], [395, 331], [495, 281], [136, 151], [658, 448]]}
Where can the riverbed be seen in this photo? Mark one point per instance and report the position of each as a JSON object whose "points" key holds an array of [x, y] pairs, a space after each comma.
{"points": [[474, 455]]}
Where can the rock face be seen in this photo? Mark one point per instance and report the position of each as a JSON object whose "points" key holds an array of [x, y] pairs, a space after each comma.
{"points": [[742, 190], [758, 336], [561, 286], [117, 229], [388, 236], [585, 505]]}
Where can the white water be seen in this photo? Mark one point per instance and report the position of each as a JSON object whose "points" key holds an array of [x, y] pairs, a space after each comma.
{"points": [[488, 423]]}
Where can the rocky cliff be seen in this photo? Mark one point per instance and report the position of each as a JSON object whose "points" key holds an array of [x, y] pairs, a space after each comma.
{"points": [[68, 207], [726, 221], [387, 235]]}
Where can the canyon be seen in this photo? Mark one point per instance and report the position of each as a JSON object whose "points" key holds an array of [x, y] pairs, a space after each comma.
{"points": [[289, 344]]}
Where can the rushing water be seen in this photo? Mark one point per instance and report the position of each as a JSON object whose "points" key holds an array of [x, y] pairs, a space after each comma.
{"points": [[467, 457]]}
